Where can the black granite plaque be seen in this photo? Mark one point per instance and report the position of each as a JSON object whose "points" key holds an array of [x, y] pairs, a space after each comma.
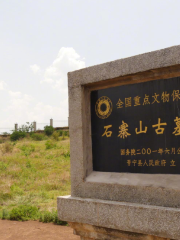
{"points": [[136, 128]]}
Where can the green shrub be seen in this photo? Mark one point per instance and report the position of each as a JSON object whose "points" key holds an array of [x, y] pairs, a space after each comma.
{"points": [[5, 214], [1, 141], [47, 217], [55, 136], [27, 149], [60, 132], [50, 144], [23, 213], [59, 222], [48, 130], [37, 136], [6, 147], [16, 135]]}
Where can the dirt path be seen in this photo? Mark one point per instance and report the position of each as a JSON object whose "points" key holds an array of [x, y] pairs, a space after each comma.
{"points": [[33, 230]]}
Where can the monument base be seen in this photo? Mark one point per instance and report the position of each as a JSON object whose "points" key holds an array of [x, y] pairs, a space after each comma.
{"points": [[90, 232], [106, 220]]}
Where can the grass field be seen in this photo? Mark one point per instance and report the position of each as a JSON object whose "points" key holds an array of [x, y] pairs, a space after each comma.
{"points": [[33, 174]]}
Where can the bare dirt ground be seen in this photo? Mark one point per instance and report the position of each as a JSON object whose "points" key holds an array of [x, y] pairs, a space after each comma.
{"points": [[34, 230]]}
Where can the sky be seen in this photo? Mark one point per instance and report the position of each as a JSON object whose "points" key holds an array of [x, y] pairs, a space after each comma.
{"points": [[42, 40]]}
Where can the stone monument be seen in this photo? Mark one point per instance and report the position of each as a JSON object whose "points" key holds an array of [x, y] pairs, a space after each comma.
{"points": [[124, 119]]}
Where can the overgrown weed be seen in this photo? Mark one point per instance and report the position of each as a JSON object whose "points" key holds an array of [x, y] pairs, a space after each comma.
{"points": [[50, 144], [32, 175], [37, 136], [6, 147], [29, 212], [27, 149], [55, 136]]}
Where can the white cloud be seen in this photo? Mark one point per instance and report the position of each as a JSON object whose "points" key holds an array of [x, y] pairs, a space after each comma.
{"points": [[56, 74], [19, 104], [22, 108], [2, 85], [35, 68], [15, 94], [47, 111]]}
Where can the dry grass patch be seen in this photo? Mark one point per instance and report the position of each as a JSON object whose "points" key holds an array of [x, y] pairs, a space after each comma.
{"points": [[30, 174]]}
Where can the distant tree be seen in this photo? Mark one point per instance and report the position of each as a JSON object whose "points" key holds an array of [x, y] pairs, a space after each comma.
{"points": [[48, 130], [28, 127]]}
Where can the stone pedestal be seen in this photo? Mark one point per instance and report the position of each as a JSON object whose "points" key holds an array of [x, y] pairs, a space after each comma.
{"points": [[106, 220]]}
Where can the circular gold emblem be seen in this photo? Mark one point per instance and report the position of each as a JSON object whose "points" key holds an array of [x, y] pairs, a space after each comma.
{"points": [[103, 107]]}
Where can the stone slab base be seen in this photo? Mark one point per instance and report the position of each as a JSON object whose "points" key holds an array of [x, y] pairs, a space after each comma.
{"points": [[157, 221], [90, 232]]}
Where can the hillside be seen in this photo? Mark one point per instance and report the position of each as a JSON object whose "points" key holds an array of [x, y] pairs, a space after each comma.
{"points": [[33, 174]]}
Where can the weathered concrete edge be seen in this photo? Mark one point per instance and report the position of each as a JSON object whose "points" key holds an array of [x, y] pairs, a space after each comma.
{"points": [[140, 63], [152, 220]]}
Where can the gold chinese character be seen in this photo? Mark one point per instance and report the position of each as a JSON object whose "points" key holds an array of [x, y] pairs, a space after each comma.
{"points": [[123, 133], [151, 163], [148, 151], [166, 151], [107, 133], [177, 128], [133, 151], [127, 152], [138, 151], [159, 130], [123, 152], [157, 162], [140, 131], [163, 163], [178, 151], [137, 101], [176, 95], [173, 151], [160, 151], [155, 98], [129, 163], [119, 104], [140, 163], [134, 162], [146, 100], [128, 102], [143, 151], [165, 97], [145, 163], [172, 163]]}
